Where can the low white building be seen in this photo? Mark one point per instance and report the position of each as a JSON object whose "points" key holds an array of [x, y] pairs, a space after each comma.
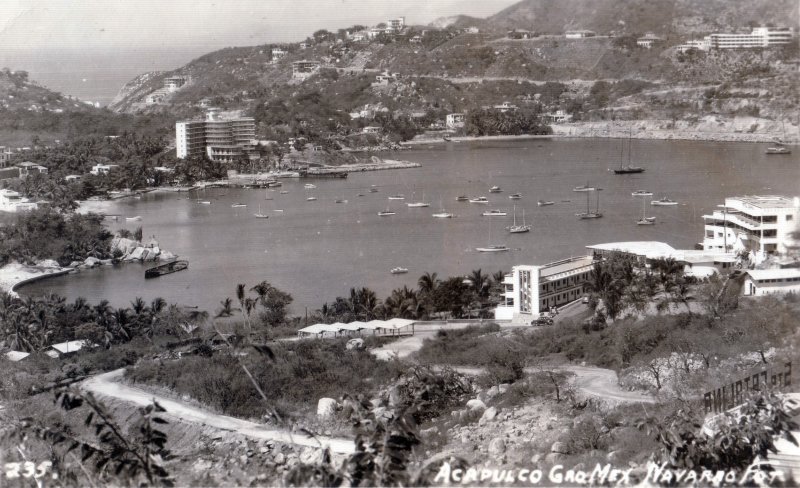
{"points": [[102, 169], [557, 117], [533, 290], [505, 107], [455, 121], [696, 263], [27, 168], [11, 201], [648, 41], [760, 282], [371, 129], [693, 46], [579, 34]]}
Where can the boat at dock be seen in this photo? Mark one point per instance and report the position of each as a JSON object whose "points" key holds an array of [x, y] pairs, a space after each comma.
{"points": [[171, 267], [398, 270]]}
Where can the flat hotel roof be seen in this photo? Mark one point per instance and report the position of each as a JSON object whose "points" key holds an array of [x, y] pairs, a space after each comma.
{"points": [[768, 201], [566, 266]]}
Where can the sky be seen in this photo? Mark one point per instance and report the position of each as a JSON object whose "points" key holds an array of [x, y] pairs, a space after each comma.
{"points": [[90, 48], [164, 24]]}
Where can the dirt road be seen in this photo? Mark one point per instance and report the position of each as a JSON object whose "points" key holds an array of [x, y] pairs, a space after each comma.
{"points": [[107, 384]]}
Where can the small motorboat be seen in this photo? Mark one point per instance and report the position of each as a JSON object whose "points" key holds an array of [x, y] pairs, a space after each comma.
{"points": [[397, 197], [462, 198], [284, 192], [136, 219], [589, 215], [340, 200], [443, 215], [642, 193], [309, 186], [584, 188], [418, 205], [495, 189], [663, 202], [311, 199], [239, 205], [545, 203], [494, 213], [204, 202], [778, 150], [261, 216], [385, 213], [492, 249], [399, 270], [373, 190], [479, 200], [515, 196]]}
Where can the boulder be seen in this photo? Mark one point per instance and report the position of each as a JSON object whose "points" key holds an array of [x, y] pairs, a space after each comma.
{"points": [[497, 446], [91, 261], [493, 392], [311, 455], [476, 404], [167, 256], [136, 254], [357, 343], [125, 245], [488, 415], [326, 408], [48, 263], [279, 459], [559, 447], [75, 264], [502, 388], [106, 262]]}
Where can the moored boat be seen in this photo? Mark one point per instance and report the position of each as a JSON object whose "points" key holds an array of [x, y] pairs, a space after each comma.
{"points": [[443, 215], [311, 199], [496, 248], [398, 270], [309, 186], [545, 203], [515, 196], [385, 213], [494, 213], [397, 197], [479, 200], [778, 150], [642, 193], [462, 198], [161, 270], [519, 229], [663, 202], [495, 189], [239, 205], [584, 188]]}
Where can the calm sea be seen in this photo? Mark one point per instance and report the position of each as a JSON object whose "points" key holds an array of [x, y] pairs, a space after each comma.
{"points": [[317, 250]]}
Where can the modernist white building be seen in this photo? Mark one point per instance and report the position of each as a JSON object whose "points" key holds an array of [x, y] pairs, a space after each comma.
{"points": [[759, 37], [533, 290], [762, 224], [579, 34], [221, 139], [304, 68], [760, 282]]}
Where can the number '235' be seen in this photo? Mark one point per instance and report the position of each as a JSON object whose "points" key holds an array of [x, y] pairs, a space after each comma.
{"points": [[27, 469]]}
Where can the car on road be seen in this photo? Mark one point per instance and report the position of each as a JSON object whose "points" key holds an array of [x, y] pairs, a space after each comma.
{"points": [[543, 320]]}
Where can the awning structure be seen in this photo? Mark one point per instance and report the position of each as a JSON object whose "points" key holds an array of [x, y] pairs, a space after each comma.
{"points": [[391, 325]]}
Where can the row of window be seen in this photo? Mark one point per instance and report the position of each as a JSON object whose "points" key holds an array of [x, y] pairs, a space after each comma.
{"points": [[779, 280]]}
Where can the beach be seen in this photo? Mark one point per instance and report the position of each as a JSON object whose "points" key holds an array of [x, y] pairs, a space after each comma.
{"points": [[15, 274]]}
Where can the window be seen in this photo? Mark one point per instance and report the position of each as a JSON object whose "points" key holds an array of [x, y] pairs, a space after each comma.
{"points": [[789, 217]]}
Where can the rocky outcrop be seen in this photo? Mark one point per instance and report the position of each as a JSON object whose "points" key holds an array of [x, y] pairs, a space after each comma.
{"points": [[135, 251]]}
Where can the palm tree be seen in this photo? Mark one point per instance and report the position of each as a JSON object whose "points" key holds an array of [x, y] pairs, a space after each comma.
{"points": [[427, 283], [157, 305], [262, 290], [227, 308], [480, 283]]}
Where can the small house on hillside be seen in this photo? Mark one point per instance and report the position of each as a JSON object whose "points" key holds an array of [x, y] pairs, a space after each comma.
{"points": [[64, 349]]}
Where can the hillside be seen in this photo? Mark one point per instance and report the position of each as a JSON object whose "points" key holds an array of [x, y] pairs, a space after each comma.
{"points": [[460, 63], [665, 17]]}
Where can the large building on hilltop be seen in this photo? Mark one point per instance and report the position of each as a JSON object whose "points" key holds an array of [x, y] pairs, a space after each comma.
{"points": [[762, 224], [221, 139]]}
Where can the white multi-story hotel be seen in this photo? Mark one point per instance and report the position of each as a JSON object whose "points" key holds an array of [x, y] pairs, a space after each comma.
{"points": [[762, 224], [222, 140], [532, 290], [760, 37], [396, 25]]}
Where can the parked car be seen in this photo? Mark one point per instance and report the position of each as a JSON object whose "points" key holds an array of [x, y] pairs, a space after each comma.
{"points": [[543, 320]]}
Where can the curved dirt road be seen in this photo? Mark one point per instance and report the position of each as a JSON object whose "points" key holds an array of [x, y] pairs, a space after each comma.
{"points": [[106, 384]]}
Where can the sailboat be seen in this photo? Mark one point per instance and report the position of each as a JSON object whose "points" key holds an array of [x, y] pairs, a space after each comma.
{"points": [[589, 214], [419, 204], [386, 213], [492, 247], [626, 170], [645, 220], [442, 214], [260, 215], [519, 229]]}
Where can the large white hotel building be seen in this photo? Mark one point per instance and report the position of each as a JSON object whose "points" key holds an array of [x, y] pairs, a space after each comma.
{"points": [[760, 37], [763, 226], [222, 140]]}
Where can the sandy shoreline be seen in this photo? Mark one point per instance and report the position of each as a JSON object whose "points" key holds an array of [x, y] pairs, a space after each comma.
{"points": [[13, 275]]}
